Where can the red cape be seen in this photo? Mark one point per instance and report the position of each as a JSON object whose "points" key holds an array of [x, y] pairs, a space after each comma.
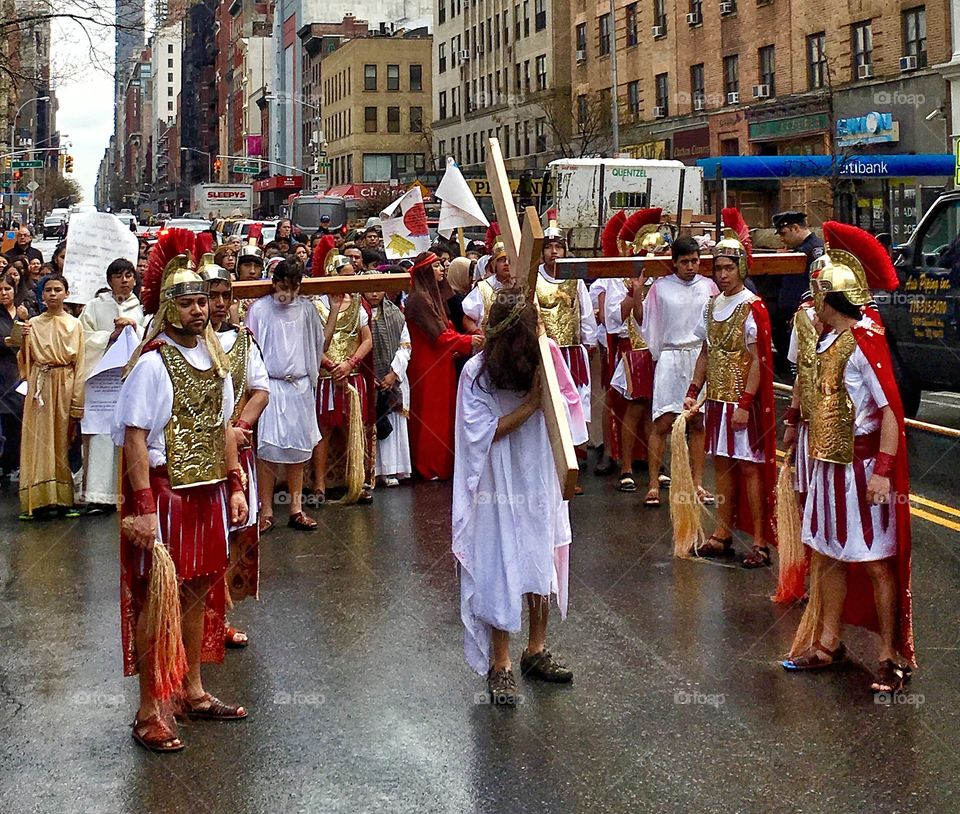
{"points": [[764, 404], [859, 607]]}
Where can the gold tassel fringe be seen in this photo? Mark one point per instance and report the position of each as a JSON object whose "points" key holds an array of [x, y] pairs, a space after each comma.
{"points": [[811, 623], [793, 565], [169, 660], [355, 449], [684, 506]]}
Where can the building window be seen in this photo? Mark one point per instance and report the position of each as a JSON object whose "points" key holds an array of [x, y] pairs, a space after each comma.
{"points": [[915, 34], [169, 108], [582, 39], [660, 14], [442, 12], [369, 77], [455, 100], [393, 77], [416, 77], [169, 63], [526, 21], [631, 25], [583, 109], [369, 120], [442, 57], [516, 22], [540, 132], [731, 75], [663, 93], [170, 77], [817, 60], [442, 147], [633, 97], [416, 119], [697, 87], [540, 20], [768, 66], [393, 119], [169, 91], [861, 40], [696, 7], [526, 76], [542, 72], [516, 139], [442, 105], [170, 48], [604, 35]]}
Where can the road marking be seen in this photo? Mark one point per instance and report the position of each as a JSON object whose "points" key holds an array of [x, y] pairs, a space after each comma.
{"points": [[949, 524], [923, 501]]}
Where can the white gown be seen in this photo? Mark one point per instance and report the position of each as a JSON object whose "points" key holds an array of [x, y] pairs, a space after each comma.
{"points": [[393, 458]]}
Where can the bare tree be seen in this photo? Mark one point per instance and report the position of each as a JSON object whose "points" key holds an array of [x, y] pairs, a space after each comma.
{"points": [[585, 130]]}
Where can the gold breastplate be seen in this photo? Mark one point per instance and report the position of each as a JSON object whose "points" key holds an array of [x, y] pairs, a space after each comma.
{"points": [[633, 329], [196, 442], [346, 336], [806, 362], [487, 296], [728, 360], [238, 357], [831, 425], [560, 310]]}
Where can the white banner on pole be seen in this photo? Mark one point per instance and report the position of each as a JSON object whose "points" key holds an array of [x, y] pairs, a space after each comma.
{"points": [[94, 241]]}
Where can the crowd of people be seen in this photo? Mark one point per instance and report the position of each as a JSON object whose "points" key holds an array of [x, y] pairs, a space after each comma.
{"points": [[231, 398]]}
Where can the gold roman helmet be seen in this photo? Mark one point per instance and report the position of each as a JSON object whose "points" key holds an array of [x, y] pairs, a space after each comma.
{"points": [[499, 249], [730, 246], [250, 253], [336, 262], [554, 234], [838, 270], [213, 273], [180, 279]]}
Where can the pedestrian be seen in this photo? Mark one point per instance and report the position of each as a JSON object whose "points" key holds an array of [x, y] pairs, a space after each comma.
{"points": [[432, 370], [182, 486], [736, 365], [226, 257], [511, 525], [104, 318], [24, 246], [856, 519], [476, 305], [25, 292], [797, 236], [458, 280], [11, 402], [391, 358], [671, 313], [51, 360], [290, 334]]}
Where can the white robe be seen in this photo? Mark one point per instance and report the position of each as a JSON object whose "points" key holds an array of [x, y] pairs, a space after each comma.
{"points": [[671, 313], [511, 526], [393, 459], [291, 338], [100, 457], [473, 303]]}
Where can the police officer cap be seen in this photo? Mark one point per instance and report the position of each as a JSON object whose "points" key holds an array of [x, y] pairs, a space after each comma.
{"points": [[782, 219]]}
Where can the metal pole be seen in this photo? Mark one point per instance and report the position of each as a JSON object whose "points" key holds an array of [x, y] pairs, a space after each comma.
{"points": [[614, 82]]}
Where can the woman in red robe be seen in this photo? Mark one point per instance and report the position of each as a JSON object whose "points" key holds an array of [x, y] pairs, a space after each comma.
{"points": [[432, 374]]}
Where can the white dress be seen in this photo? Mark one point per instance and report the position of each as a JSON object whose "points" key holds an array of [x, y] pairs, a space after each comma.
{"points": [[393, 458], [671, 312], [101, 458], [801, 477], [837, 521], [291, 338]]}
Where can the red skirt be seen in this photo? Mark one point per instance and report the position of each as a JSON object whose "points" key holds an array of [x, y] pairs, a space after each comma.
{"points": [[722, 440], [639, 371], [243, 573], [333, 404], [576, 358]]}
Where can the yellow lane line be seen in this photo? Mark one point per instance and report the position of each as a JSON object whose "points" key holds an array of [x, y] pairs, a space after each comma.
{"points": [[947, 524], [923, 501]]}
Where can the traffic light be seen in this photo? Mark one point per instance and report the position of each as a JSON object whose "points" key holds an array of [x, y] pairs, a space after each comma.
{"points": [[68, 163], [7, 163], [17, 175], [61, 160], [217, 165]]}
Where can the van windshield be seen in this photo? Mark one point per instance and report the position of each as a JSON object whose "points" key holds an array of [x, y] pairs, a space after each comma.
{"points": [[306, 214]]}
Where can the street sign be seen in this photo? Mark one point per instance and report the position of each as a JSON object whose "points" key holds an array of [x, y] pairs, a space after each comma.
{"points": [[28, 165], [247, 170], [321, 155], [33, 186], [24, 197], [324, 164]]}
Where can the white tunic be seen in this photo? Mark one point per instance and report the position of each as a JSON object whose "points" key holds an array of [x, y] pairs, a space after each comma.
{"points": [[393, 459], [511, 526], [826, 510], [291, 339], [146, 398], [671, 312], [473, 303], [801, 476]]}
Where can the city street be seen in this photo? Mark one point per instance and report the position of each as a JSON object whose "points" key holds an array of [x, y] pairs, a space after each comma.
{"points": [[361, 701]]}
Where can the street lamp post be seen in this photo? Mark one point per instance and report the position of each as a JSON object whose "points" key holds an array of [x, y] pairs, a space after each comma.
{"points": [[13, 131], [315, 109], [209, 160]]}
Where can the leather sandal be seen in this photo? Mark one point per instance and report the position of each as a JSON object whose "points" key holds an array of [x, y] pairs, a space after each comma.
{"points": [[214, 709], [301, 522], [714, 547], [705, 497], [652, 500], [235, 639], [266, 523], [626, 483], [156, 735], [759, 557], [890, 679], [819, 657]]}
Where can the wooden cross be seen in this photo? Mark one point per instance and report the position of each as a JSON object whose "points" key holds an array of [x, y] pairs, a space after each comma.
{"points": [[317, 286], [591, 268], [523, 248]]}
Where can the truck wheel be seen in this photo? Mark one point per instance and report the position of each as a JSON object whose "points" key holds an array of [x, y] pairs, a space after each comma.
{"points": [[910, 391]]}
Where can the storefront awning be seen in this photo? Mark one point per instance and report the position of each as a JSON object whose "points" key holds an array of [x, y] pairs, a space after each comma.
{"points": [[743, 167]]}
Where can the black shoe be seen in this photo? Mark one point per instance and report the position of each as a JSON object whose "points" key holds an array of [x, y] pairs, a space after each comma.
{"points": [[366, 496], [542, 665], [608, 467], [502, 687]]}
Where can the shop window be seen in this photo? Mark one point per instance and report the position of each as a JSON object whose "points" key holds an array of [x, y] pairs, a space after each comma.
{"points": [[915, 34]]}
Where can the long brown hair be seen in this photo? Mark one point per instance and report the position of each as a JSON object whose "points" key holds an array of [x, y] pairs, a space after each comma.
{"points": [[511, 352], [425, 306]]}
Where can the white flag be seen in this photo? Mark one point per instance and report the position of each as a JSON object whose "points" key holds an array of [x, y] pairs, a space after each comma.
{"points": [[405, 232], [458, 206]]}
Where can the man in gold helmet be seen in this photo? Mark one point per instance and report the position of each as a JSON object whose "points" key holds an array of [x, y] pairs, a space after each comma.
{"points": [[182, 486], [856, 519], [477, 304]]}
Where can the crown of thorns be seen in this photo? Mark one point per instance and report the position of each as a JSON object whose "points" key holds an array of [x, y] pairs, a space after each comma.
{"points": [[509, 320]]}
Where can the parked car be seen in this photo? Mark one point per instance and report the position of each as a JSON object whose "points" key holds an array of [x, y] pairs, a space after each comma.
{"points": [[54, 226]]}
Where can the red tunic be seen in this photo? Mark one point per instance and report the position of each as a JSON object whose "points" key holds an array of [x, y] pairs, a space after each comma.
{"points": [[433, 399]]}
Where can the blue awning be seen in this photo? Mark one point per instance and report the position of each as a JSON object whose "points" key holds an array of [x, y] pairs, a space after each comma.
{"points": [[820, 166]]}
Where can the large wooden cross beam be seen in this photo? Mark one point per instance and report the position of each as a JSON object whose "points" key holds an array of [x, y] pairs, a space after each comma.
{"points": [[591, 268], [318, 286], [523, 247]]}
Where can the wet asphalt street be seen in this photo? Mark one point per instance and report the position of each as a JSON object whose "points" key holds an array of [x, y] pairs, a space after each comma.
{"points": [[361, 701]]}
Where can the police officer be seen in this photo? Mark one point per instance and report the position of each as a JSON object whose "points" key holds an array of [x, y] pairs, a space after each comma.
{"points": [[792, 229]]}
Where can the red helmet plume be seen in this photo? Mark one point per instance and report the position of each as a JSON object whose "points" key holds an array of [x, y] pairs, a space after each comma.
{"points": [[876, 262], [174, 242], [639, 219], [256, 232], [204, 244], [318, 266], [734, 221], [608, 239], [493, 232]]}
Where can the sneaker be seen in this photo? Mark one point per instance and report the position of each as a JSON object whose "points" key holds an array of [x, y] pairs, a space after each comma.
{"points": [[502, 687], [544, 666], [391, 482]]}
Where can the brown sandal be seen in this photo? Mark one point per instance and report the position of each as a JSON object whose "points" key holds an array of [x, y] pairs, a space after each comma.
{"points": [[215, 709], [301, 522], [234, 638], [266, 523], [714, 547], [652, 500], [814, 659], [759, 557], [156, 735], [890, 679]]}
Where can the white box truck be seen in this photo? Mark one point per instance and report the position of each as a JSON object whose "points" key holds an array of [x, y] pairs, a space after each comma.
{"points": [[221, 200], [588, 191]]}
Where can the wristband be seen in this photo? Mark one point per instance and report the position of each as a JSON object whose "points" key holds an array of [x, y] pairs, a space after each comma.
{"points": [[235, 480], [792, 416], [327, 363], [693, 391], [746, 401], [243, 425], [143, 502], [884, 464], [354, 361]]}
